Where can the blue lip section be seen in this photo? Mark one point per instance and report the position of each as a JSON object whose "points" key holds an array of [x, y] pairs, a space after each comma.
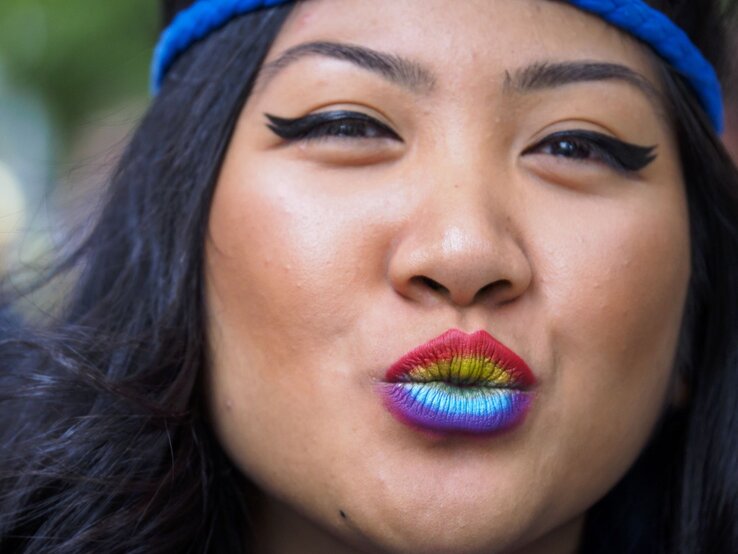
{"points": [[441, 407]]}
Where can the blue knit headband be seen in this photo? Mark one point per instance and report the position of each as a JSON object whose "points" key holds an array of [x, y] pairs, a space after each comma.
{"points": [[633, 16]]}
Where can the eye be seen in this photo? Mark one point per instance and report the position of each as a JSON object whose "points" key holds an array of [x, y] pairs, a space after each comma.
{"points": [[336, 124], [592, 147]]}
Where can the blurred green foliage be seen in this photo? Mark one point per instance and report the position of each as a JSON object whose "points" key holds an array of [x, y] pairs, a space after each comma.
{"points": [[80, 55]]}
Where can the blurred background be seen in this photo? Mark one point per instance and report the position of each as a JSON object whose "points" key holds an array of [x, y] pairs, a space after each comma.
{"points": [[73, 84]]}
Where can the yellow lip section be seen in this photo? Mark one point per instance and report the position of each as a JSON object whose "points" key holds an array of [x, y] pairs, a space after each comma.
{"points": [[463, 370]]}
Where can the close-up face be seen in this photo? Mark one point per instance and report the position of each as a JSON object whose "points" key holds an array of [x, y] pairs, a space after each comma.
{"points": [[500, 176]]}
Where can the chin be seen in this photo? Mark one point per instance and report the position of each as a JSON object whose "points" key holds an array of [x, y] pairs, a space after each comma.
{"points": [[446, 528]]}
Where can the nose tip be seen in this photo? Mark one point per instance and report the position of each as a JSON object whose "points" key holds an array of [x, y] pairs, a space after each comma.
{"points": [[462, 264]]}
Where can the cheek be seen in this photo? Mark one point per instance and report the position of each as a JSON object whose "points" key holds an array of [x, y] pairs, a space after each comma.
{"points": [[293, 265], [620, 285], [276, 268], [615, 280], [282, 259]]}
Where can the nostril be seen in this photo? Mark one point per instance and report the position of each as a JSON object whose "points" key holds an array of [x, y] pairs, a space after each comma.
{"points": [[492, 288], [430, 283]]}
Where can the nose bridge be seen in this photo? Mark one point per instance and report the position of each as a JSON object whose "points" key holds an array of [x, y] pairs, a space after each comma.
{"points": [[461, 216], [472, 215], [463, 241], [470, 180], [471, 194]]}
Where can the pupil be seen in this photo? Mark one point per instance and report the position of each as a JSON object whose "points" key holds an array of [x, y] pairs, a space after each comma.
{"points": [[569, 149], [349, 130]]}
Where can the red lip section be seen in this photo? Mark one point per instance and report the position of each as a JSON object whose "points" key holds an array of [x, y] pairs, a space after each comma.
{"points": [[456, 344]]}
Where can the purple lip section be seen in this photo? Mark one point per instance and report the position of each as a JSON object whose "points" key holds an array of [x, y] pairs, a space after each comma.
{"points": [[440, 407]]}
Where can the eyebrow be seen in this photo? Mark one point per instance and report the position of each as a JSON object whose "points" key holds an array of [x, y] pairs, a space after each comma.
{"points": [[396, 69], [418, 78], [543, 75]]}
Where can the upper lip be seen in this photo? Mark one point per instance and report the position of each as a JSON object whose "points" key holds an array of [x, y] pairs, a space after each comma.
{"points": [[508, 370]]}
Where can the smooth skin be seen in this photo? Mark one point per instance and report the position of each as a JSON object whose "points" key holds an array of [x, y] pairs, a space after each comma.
{"points": [[328, 259]]}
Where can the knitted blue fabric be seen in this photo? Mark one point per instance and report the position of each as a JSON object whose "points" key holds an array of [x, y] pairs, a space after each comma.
{"points": [[633, 16], [669, 41], [193, 24]]}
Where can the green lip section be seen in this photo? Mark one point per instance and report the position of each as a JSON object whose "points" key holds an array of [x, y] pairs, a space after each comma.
{"points": [[463, 371]]}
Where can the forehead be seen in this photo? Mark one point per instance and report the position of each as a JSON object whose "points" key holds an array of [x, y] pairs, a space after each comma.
{"points": [[459, 38]]}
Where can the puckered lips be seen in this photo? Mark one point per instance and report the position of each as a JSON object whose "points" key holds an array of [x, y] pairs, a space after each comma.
{"points": [[459, 383]]}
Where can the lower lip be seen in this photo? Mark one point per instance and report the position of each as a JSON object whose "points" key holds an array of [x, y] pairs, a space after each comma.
{"points": [[445, 408]]}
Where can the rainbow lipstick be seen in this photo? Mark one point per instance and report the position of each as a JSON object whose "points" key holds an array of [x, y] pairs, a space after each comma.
{"points": [[459, 383]]}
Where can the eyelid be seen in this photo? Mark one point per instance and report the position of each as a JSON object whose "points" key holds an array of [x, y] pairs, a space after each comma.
{"points": [[623, 157], [299, 128]]}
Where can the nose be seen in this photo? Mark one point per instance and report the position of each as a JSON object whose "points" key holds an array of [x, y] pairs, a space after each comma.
{"points": [[462, 244]]}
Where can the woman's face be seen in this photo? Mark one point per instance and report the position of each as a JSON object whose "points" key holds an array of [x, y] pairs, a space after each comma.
{"points": [[470, 170]]}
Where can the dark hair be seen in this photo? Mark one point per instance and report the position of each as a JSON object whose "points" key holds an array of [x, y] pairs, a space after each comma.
{"points": [[106, 447], [681, 496]]}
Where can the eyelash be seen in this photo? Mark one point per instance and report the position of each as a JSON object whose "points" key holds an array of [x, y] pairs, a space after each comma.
{"points": [[336, 124], [579, 144]]}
